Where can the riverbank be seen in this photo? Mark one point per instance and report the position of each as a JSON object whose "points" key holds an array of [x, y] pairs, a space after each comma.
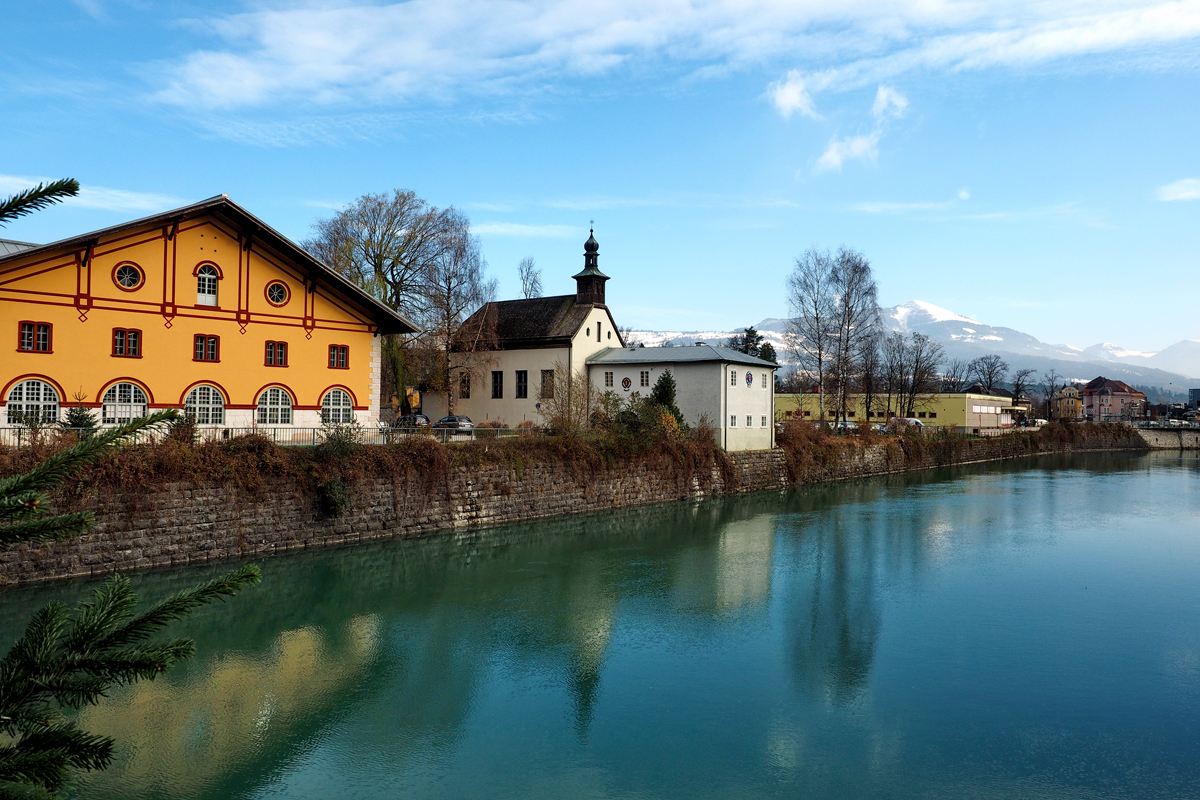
{"points": [[250, 498]]}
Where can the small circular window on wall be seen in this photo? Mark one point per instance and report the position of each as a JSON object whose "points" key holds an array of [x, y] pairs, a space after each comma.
{"points": [[277, 293], [128, 276]]}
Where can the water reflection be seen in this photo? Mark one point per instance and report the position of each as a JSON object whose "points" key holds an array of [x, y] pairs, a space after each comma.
{"points": [[385, 660]]}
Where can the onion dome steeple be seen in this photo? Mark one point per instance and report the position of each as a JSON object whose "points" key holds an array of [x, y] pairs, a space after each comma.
{"points": [[589, 284]]}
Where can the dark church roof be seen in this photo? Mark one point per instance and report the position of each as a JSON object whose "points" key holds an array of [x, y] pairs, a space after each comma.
{"points": [[536, 322]]}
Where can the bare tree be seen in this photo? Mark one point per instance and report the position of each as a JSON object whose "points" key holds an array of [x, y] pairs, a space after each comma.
{"points": [[567, 403], [385, 244], [1051, 383], [855, 320], [925, 357], [630, 339], [454, 286], [531, 278], [956, 375], [989, 371], [870, 380], [894, 357], [809, 330], [1022, 381]]}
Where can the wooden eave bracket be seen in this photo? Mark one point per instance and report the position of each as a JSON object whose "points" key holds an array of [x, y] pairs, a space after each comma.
{"points": [[87, 253]]}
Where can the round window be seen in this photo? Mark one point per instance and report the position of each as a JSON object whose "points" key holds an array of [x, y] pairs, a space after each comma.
{"points": [[128, 276], [277, 293]]}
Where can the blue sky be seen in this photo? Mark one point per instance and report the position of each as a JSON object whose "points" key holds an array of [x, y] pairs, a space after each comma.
{"points": [[1030, 164]]}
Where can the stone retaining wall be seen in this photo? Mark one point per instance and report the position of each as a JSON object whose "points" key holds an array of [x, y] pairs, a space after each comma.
{"points": [[182, 524]]}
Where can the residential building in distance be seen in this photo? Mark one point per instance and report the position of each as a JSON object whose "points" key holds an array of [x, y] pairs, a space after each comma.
{"points": [[966, 411], [205, 308], [1068, 404], [1106, 400]]}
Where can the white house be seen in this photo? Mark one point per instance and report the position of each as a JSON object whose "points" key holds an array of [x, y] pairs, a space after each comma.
{"points": [[527, 339], [733, 391]]}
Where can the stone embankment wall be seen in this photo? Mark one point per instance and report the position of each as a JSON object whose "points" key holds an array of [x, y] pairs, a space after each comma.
{"points": [[1171, 438], [180, 524]]}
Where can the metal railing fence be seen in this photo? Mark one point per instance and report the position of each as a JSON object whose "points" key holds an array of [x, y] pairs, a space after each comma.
{"points": [[285, 436]]}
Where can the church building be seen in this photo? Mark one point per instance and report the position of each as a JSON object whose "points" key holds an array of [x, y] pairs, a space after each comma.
{"points": [[522, 343]]}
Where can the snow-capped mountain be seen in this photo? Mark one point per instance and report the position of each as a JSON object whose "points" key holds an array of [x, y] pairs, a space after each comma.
{"points": [[963, 337]]}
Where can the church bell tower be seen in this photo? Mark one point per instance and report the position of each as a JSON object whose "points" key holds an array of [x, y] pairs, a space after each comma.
{"points": [[589, 284]]}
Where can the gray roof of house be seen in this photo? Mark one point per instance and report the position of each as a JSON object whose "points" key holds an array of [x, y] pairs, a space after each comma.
{"points": [[698, 353], [387, 320], [8, 247]]}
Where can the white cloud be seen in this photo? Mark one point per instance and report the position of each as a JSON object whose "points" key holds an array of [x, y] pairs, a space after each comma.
{"points": [[889, 103], [1186, 189], [329, 52], [532, 231], [98, 197], [840, 150], [963, 194], [790, 95]]}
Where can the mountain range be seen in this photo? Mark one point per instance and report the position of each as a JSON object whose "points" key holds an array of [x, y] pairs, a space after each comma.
{"points": [[963, 337]]}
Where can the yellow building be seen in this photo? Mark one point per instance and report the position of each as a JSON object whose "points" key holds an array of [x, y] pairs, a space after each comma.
{"points": [[205, 308], [1068, 404], [967, 411]]}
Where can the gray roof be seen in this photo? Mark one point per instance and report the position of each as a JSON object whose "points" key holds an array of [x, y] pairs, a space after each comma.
{"points": [[663, 355], [387, 320], [8, 247]]}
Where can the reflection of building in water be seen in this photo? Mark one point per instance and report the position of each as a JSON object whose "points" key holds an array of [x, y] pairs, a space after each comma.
{"points": [[176, 738], [732, 573]]}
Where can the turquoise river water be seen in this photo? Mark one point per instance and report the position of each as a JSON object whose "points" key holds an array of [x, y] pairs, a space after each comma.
{"points": [[1021, 630]]}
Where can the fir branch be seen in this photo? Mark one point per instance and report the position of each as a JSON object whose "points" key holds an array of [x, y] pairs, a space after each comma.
{"points": [[46, 529], [37, 197], [157, 616], [61, 465]]}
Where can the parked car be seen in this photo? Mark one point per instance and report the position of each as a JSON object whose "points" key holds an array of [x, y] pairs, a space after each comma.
{"points": [[456, 423], [411, 421], [901, 422]]}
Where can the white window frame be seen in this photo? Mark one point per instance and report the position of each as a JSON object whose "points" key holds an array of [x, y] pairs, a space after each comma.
{"points": [[205, 405], [337, 408], [19, 402], [274, 407], [123, 402], [644, 378], [733, 420], [733, 377], [608, 380], [207, 277]]}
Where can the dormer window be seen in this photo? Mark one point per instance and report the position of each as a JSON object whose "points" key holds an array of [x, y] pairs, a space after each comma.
{"points": [[206, 286]]}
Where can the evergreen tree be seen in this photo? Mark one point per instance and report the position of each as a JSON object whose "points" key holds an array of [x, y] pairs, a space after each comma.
{"points": [[663, 394], [40, 196], [68, 659], [81, 420], [767, 353], [749, 341]]}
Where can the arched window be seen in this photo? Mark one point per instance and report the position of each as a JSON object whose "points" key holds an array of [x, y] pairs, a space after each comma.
{"points": [[336, 407], [274, 407], [32, 401], [206, 286], [205, 405], [123, 402]]}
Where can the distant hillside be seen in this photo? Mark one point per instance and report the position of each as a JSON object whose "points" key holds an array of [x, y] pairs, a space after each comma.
{"points": [[963, 337]]}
